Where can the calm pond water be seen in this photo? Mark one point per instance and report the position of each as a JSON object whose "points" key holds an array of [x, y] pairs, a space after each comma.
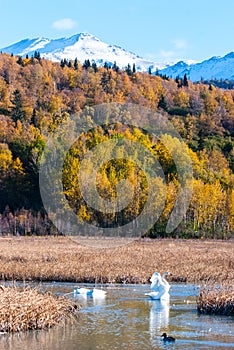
{"points": [[127, 319]]}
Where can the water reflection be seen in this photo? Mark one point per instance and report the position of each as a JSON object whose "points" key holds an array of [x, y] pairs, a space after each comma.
{"points": [[62, 337], [85, 300], [99, 301], [125, 319], [158, 318]]}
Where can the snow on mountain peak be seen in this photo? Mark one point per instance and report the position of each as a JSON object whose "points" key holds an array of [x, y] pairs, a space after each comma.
{"points": [[85, 46], [82, 46], [215, 67]]}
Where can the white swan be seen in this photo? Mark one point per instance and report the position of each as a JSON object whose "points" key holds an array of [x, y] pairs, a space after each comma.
{"points": [[159, 286], [85, 292], [99, 293]]}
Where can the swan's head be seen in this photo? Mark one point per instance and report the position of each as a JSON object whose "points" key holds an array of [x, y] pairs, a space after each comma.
{"points": [[165, 274]]}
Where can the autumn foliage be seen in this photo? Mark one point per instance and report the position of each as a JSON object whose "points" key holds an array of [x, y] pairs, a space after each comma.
{"points": [[37, 95]]}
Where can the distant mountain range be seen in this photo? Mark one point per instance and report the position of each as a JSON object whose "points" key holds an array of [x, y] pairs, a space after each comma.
{"points": [[215, 67], [86, 46]]}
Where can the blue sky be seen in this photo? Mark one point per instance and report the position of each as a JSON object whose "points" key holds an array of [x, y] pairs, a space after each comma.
{"points": [[162, 30]]}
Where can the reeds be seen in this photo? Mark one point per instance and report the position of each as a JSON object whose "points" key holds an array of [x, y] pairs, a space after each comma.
{"points": [[216, 299], [27, 309], [61, 259]]}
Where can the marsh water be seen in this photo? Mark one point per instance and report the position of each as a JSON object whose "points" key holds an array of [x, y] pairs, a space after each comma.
{"points": [[127, 319]]}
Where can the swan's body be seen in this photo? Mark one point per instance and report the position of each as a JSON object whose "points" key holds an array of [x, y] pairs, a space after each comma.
{"points": [[83, 291], [94, 293], [99, 293], [160, 287]]}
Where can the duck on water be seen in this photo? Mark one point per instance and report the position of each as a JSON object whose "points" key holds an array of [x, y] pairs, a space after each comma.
{"points": [[167, 338]]}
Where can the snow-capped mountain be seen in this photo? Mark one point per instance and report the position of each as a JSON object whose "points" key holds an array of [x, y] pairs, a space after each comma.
{"points": [[215, 67], [86, 46], [83, 46]]}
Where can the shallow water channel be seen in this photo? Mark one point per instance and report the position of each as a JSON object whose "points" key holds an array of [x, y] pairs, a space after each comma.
{"points": [[127, 319]]}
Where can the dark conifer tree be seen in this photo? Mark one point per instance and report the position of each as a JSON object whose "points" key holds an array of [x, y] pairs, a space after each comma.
{"points": [[20, 61], [37, 55], [128, 70], [185, 80], [162, 103], [115, 67], [86, 64], [76, 64], [62, 64], [106, 65], [94, 66], [17, 111], [179, 82], [34, 118]]}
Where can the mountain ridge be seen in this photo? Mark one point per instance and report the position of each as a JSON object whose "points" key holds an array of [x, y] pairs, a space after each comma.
{"points": [[86, 46], [82, 46], [216, 67]]}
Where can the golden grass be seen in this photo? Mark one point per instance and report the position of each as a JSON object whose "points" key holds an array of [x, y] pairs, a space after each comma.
{"points": [[216, 299], [61, 259], [27, 309]]}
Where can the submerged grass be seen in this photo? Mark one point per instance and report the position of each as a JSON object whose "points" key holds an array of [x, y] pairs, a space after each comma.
{"points": [[216, 299], [28, 309]]}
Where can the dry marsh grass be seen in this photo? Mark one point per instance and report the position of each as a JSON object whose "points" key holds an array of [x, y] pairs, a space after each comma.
{"points": [[216, 299], [62, 259], [27, 309]]}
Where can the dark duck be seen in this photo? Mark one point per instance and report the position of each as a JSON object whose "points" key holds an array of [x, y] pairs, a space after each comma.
{"points": [[167, 338]]}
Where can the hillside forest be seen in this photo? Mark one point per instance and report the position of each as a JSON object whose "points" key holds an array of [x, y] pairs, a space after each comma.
{"points": [[37, 96]]}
